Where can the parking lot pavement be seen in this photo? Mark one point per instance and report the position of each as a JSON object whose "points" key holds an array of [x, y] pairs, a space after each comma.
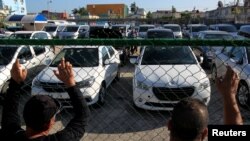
{"points": [[119, 120]]}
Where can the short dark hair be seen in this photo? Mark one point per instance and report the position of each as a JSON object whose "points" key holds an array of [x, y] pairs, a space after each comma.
{"points": [[189, 119], [38, 112]]}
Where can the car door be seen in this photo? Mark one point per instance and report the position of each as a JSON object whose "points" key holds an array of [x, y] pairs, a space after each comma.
{"points": [[114, 59], [237, 59], [222, 60], [107, 67]]}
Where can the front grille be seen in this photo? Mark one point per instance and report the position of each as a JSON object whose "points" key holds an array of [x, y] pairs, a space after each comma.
{"points": [[172, 94], [53, 87]]}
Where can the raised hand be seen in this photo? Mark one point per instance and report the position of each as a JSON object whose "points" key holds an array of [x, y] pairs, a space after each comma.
{"points": [[18, 73], [65, 73], [229, 84]]}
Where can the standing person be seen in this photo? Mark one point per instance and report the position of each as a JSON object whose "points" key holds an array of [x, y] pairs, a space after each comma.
{"points": [[40, 111], [189, 121], [190, 116]]}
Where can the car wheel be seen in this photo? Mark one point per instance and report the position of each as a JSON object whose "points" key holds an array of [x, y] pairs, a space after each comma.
{"points": [[4, 91], [243, 95], [102, 95], [214, 73]]}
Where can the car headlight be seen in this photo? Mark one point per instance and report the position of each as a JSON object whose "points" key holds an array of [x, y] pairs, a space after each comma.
{"points": [[203, 85], [141, 85], [86, 83], [36, 83]]}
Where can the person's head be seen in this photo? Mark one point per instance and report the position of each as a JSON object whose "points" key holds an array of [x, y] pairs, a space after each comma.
{"points": [[189, 121], [39, 113]]}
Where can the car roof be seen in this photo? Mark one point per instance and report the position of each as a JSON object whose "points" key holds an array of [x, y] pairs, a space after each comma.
{"points": [[196, 25], [245, 26], [82, 47], [221, 25], [28, 32], [144, 25], [214, 32], [171, 25], [160, 29]]}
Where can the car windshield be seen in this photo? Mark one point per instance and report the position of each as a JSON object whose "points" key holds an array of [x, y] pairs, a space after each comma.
{"points": [[49, 28], [78, 57], [173, 28], [198, 28], [167, 56], [20, 36], [160, 34], [6, 54], [145, 28], [70, 29], [245, 29], [228, 28], [218, 36]]}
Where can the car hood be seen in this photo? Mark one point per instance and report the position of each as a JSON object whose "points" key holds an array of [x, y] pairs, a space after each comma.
{"points": [[170, 75], [47, 75]]}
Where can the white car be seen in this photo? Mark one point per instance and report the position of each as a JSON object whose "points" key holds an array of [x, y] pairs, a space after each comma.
{"points": [[32, 58], [73, 31], [95, 67], [164, 75], [144, 28], [54, 30], [30, 35], [175, 28], [238, 58]]}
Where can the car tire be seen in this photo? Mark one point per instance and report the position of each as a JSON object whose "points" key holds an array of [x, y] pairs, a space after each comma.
{"points": [[4, 91], [101, 96], [213, 73], [243, 96]]}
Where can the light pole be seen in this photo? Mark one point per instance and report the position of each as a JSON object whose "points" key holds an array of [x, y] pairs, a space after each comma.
{"points": [[48, 3]]}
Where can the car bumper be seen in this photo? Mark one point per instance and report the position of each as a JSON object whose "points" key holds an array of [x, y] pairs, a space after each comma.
{"points": [[90, 95], [146, 99]]}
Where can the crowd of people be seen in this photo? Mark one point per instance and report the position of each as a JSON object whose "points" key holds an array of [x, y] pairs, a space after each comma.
{"points": [[40, 111]]}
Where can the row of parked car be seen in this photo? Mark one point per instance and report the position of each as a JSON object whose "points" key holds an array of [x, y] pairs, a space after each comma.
{"points": [[163, 75]]}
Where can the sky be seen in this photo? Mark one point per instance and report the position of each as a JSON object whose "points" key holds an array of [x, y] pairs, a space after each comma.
{"points": [[36, 6]]}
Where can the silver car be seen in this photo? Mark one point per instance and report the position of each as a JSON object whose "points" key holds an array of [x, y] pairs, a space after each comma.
{"points": [[238, 58]]}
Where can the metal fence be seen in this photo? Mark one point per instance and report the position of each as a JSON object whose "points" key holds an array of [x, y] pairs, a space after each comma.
{"points": [[140, 79]]}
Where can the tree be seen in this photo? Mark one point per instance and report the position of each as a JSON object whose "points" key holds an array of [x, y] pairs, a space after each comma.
{"points": [[82, 11], [173, 9], [149, 15]]}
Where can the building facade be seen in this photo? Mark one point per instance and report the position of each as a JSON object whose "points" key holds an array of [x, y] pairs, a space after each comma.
{"points": [[165, 14], [17, 7], [108, 10], [239, 14], [55, 15]]}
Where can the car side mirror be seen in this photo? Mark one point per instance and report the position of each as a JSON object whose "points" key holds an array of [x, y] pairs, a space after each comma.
{"points": [[200, 59], [22, 61]]}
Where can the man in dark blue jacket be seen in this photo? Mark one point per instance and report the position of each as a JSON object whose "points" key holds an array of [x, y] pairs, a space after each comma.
{"points": [[40, 111]]}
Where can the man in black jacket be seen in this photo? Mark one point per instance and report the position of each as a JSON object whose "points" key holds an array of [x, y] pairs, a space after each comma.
{"points": [[40, 111]]}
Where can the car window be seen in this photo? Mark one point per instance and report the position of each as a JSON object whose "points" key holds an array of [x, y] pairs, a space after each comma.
{"points": [[25, 53], [237, 53], [78, 57], [39, 50], [167, 55], [111, 51], [6, 54], [60, 28], [226, 51], [105, 54], [43, 36]]}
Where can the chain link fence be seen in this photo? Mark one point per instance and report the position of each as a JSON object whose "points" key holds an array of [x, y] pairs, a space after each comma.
{"points": [[131, 85]]}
